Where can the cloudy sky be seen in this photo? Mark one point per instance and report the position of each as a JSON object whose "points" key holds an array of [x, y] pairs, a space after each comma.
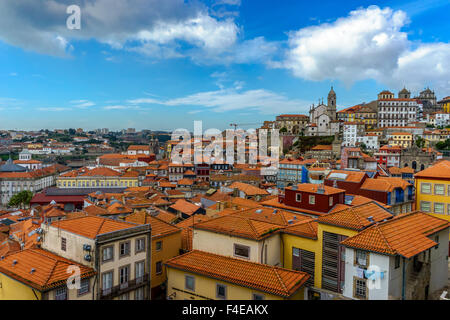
{"points": [[154, 64]]}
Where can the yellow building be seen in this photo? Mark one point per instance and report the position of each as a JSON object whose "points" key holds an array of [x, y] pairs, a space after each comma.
{"points": [[199, 275], [97, 177], [402, 139], [166, 244], [315, 244], [36, 274], [445, 104], [433, 190]]}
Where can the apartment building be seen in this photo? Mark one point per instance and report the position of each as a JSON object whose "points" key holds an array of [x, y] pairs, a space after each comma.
{"points": [[166, 244], [199, 275], [396, 111], [119, 252], [97, 177], [402, 258], [433, 190], [37, 274]]}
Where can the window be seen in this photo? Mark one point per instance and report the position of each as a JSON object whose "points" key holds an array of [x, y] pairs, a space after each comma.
{"points": [[124, 249], [221, 291], [360, 289], [312, 199], [107, 281], [241, 251], [158, 246], [140, 245], [330, 201], [439, 208], [436, 239], [425, 188], [257, 296], [108, 254], [158, 267], [439, 189], [361, 258], [84, 287], [139, 294], [397, 262], [63, 244], [189, 283], [61, 293], [296, 252], [425, 206], [124, 275]]}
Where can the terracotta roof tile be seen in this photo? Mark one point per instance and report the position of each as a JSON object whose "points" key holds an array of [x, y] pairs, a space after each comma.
{"points": [[248, 189], [439, 170], [92, 226], [357, 218], [185, 207], [50, 269], [405, 235], [273, 280]]}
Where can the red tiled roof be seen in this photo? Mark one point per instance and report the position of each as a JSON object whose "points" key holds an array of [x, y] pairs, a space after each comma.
{"points": [[405, 235], [50, 270], [92, 226], [273, 280], [356, 218]]}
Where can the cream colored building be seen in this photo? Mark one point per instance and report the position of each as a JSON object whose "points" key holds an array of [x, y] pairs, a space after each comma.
{"points": [[120, 252]]}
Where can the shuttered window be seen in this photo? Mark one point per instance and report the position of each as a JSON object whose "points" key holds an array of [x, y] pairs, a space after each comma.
{"points": [[303, 260], [425, 206], [425, 188], [439, 208], [439, 189]]}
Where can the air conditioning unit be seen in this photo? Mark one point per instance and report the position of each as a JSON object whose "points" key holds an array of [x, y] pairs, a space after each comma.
{"points": [[87, 257], [87, 247]]}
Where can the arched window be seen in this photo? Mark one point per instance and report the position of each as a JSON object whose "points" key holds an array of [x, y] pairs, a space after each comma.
{"points": [[422, 167], [414, 165]]}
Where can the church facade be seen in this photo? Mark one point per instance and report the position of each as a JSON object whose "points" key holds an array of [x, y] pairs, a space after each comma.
{"points": [[322, 118]]}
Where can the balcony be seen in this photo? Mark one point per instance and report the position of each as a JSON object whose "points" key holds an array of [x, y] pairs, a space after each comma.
{"points": [[110, 293]]}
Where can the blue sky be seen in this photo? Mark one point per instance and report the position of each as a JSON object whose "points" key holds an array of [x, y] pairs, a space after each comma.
{"points": [[160, 65]]}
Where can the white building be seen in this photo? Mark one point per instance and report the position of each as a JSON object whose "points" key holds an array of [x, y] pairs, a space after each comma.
{"points": [[402, 258], [396, 111], [442, 119]]}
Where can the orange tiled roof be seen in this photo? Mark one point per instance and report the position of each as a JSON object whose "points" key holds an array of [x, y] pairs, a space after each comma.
{"points": [[185, 207], [356, 218], [118, 208], [277, 217], [322, 147], [307, 229], [248, 189], [405, 235], [160, 228], [273, 280], [313, 188], [239, 226], [92, 226], [50, 270], [187, 182], [385, 184], [439, 170]]}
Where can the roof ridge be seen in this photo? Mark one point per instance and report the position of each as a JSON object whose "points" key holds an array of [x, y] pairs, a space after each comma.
{"points": [[275, 270], [101, 225], [384, 238]]}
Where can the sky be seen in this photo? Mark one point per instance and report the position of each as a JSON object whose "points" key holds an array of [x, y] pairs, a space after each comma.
{"points": [[161, 65]]}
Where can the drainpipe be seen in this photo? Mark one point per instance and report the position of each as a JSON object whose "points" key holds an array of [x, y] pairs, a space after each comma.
{"points": [[97, 269], [403, 279]]}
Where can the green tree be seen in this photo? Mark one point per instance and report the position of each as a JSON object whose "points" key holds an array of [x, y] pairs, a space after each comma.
{"points": [[283, 130], [21, 199], [420, 142], [363, 147]]}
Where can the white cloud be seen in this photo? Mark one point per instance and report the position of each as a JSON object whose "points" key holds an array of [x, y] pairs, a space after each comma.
{"points": [[121, 107], [54, 109], [262, 101], [367, 44], [363, 45], [82, 104], [151, 27]]}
